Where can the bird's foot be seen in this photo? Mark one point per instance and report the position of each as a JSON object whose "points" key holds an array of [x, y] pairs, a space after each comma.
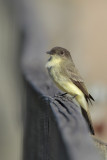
{"points": [[61, 96], [70, 98], [74, 96], [64, 97]]}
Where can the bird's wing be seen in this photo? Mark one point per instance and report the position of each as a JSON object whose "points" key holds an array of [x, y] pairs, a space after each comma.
{"points": [[75, 77]]}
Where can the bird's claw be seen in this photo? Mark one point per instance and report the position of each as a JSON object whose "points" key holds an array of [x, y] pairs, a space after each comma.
{"points": [[61, 96]]}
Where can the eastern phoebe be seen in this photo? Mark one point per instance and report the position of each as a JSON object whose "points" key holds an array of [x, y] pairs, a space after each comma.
{"points": [[63, 72]]}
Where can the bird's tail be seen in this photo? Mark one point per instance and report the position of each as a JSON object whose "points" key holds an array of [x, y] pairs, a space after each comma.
{"points": [[89, 98], [83, 102], [88, 119]]}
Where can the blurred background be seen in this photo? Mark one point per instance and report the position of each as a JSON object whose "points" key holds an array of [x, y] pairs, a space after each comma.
{"points": [[77, 25]]}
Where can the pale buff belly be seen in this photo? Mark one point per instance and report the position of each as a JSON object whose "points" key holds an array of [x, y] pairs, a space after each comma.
{"points": [[63, 83]]}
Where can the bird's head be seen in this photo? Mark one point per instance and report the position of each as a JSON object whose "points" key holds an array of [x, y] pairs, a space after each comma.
{"points": [[59, 53]]}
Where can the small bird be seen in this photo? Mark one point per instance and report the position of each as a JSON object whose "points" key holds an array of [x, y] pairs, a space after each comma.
{"points": [[63, 72]]}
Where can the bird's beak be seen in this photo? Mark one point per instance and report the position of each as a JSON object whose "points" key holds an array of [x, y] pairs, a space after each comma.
{"points": [[48, 52]]}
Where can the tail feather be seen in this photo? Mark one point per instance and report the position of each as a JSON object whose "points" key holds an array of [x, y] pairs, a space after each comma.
{"points": [[89, 98], [88, 120]]}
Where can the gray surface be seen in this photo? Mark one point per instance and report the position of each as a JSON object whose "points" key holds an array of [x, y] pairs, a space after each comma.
{"points": [[70, 125], [42, 138]]}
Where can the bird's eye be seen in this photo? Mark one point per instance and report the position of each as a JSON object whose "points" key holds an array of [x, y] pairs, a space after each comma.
{"points": [[62, 53]]}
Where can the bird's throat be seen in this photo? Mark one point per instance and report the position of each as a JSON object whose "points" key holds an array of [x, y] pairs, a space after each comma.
{"points": [[53, 61]]}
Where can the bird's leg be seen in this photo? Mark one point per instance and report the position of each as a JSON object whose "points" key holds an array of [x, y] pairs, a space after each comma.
{"points": [[74, 96], [60, 95], [71, 98], [63, 94]]}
